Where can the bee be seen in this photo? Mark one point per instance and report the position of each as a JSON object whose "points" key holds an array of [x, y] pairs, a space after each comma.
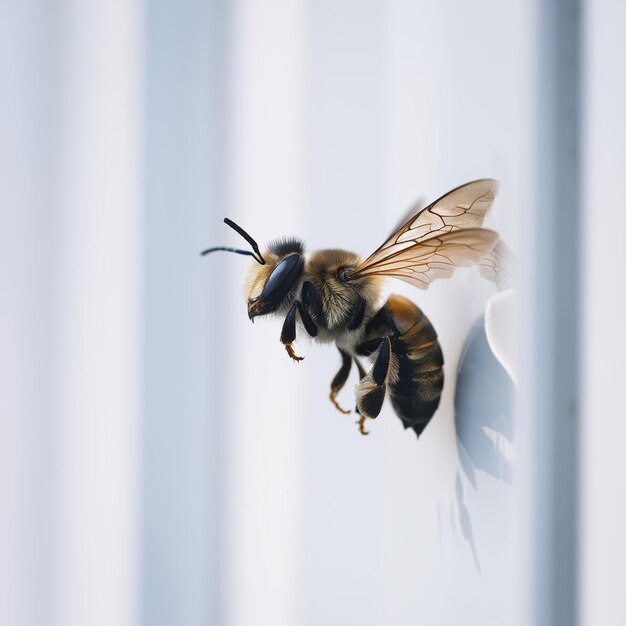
{"points": [[334, 296]]}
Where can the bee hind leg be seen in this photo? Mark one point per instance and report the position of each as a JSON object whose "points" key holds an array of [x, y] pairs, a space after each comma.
{"points": [[362, 375], [362, 372], [340, 380], [361, 422], [370, 393]]}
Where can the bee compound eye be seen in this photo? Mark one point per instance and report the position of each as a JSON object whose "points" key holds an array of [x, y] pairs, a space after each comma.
{"points": [[343, 274], [282, 279]]}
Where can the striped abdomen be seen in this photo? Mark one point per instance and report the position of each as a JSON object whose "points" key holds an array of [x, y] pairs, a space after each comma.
{"points": [[416, 389]]}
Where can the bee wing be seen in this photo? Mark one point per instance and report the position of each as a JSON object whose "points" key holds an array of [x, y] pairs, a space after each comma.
{"points": [[420, 250], [435, 257], [463, 207], [499, 266]]}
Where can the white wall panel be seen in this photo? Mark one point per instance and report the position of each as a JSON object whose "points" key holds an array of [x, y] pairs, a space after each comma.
{"points": [[603, 474], [71, 156], [265, 412], [98, 200]]}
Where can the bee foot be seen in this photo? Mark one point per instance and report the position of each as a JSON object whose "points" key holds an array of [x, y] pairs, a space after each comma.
{"points": [[361, 424], [292, 354], [337, 405]]}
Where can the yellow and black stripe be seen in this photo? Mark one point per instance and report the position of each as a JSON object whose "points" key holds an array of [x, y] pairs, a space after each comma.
{"points": [[415, 388]]}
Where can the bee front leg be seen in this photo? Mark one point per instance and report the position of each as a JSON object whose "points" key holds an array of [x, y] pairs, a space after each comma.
{"points": [[288, 333], [340, 380], [370, 393]]}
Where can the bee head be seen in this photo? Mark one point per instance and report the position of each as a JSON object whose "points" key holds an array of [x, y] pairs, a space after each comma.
{"points": [[274, 284], [273, 278]]}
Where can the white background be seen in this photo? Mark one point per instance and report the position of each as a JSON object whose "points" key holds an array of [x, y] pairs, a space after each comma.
{"points": [[162, 461]]}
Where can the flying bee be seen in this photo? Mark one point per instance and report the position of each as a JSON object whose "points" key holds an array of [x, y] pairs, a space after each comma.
{"points": [[333, 296]]}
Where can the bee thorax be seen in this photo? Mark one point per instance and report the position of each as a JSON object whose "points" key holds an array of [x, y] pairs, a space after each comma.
{"points": [[344, 305]]}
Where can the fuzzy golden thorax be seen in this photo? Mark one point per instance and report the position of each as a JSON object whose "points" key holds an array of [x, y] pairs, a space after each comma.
{"points": [[339, 297]]}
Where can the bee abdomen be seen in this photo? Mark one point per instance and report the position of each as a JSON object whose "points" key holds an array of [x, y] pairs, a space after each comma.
{"points": [[416, 393], [416, 389]]}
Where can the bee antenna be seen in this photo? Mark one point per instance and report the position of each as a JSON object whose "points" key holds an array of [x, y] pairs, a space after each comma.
{"points": [[237, 250], [258, 257], [256, 254]]}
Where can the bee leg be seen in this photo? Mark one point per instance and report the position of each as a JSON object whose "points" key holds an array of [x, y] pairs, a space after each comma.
{"points": [[340, 380], [362, 374], [309, 324], [361, 423], [370, 393], [288, 333], [358, 313], [311, 302]]}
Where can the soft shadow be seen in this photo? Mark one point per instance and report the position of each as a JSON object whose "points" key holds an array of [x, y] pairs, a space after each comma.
{"points": [[465, 520], [484, 404], [483, 415]]}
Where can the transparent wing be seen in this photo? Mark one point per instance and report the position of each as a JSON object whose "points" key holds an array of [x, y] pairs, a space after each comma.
{"points": [[500, 266], [463, 207], [436, 257]]}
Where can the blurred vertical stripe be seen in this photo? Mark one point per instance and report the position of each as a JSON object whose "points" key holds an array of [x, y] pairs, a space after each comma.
{"points": [[182, 315], [71, 151]]}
